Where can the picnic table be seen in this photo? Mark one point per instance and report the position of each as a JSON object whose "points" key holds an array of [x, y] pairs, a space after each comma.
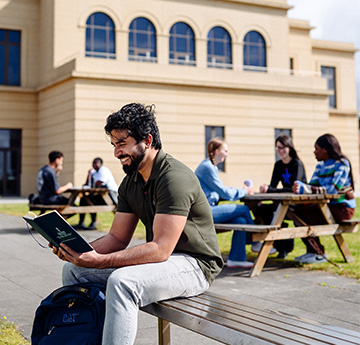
{"points": [[274, 231], [82, 192]]}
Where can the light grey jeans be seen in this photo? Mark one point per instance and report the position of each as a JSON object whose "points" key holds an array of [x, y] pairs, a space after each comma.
{"points": [[129, 288]]}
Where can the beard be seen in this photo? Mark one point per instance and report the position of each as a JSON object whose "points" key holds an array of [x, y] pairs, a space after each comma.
{"points": [[136, 159]]}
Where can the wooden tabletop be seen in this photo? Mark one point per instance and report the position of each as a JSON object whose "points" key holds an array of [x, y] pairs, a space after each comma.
{"points": [[289, 197]]}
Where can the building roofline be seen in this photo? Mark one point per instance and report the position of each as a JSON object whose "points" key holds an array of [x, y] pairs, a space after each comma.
{"points": [[300, 24], [277, 4], [334, 46]]}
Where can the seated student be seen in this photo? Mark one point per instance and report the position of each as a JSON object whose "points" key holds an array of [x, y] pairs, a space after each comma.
{"points": [[332, 175], [287, 170], [47, 183], [208, 174], [99, 176]]}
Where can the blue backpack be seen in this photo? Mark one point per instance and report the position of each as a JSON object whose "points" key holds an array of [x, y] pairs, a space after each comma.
{"points": [[70, 315]]}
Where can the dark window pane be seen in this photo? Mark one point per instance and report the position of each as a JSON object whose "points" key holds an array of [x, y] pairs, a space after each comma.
{"points": [[142, 40], [10, 57], [329, 74], [100, 36], [14, 66], [2, 65], [182, 44], [219, 48], [14, 36], [254, 50]]}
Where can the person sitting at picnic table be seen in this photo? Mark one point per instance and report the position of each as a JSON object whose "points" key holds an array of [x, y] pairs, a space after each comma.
{"points": [[47, 183], [287, 170], [99, 177], [208, 175], [332, 175]]}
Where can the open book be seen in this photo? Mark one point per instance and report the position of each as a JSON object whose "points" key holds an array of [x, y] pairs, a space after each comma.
{"points": [[54, 228]]}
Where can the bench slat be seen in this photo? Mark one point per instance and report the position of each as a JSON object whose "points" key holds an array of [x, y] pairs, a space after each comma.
{"points": [[236, 323], [350, 222], [201, 325], [264, 321], [279, 319]]}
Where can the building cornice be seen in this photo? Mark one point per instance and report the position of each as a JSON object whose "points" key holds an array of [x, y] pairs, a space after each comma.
{"points": [[343, 112], [300, 24], [198, 83], [334, 46], [280, 4]]}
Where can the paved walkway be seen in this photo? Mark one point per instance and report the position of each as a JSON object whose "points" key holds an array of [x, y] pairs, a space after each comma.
{"points": [[28, 273]]}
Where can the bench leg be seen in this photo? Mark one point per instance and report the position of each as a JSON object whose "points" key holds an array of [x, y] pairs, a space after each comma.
{"points": [[164, 331], [344, 249]]}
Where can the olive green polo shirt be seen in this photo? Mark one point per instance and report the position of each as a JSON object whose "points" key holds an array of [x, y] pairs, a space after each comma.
{"points": [[174, 189]]}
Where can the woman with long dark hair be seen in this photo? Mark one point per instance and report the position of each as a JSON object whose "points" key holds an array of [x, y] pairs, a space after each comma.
{"points": [[287, 170], [332, 175]]}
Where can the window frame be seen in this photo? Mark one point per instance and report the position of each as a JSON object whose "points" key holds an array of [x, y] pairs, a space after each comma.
{"points": [[215, 60], [10, 57], [138, 53], [92, 30], [331, 83], [250, 45], [176, 56]]}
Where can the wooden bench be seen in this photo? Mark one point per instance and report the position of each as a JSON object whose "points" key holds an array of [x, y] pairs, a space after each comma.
{"points": [[231, 322]]}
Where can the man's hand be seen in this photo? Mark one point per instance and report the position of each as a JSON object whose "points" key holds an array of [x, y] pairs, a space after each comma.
{"points": [[88, 259]]}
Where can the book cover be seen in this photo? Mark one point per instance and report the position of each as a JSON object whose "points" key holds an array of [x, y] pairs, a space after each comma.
{"points": [[54, 228]]}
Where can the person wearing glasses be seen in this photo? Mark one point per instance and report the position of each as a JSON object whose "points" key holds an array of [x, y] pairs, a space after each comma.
{"points": [[287, 170]]}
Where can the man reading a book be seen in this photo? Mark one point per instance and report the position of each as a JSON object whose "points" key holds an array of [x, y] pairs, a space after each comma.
{"points": [[47, 183], [181, 256]]}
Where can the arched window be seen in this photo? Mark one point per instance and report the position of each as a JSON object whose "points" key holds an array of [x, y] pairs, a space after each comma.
{"points": [[254, 52], [182, 45], [219, 48], [142, 40], [100, 36]]}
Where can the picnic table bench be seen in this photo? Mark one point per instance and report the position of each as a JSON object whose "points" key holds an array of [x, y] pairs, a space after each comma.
{"points": [[70, 208], [231, 322]]}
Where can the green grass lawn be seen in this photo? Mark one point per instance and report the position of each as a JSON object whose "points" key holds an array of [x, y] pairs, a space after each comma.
{"points": [[9, 335], [348, 269]]}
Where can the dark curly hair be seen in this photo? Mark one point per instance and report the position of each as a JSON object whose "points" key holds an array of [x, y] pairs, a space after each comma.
{"points": [[138, 119], [54, 155]]}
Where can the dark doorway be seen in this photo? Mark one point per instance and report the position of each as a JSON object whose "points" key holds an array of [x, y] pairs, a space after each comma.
{"points": [[10, 162]]}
